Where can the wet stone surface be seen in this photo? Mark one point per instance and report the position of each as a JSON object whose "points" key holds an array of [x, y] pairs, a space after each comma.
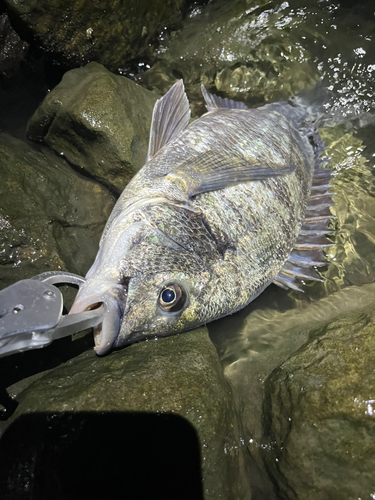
{"points": [[51, 217], [75, 32], [178, 375], [99, 122], [319, 411], [238, 48]]}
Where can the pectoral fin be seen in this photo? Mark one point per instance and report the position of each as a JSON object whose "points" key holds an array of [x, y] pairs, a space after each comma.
{"points": [[215, 170], [170, 116]]}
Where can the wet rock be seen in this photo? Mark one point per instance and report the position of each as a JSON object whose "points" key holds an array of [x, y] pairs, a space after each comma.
{"points": [[178, 375], [257, 340], [50, 216], [320, 412], [112, 33], [98, 121], [247, 50], [13, 50]]}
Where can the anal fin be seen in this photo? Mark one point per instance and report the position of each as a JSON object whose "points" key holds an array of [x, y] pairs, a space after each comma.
{"points": [[308, 249], [285, 281]]}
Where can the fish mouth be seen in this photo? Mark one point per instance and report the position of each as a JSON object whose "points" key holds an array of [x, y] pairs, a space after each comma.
{"points": [[113, 300]]}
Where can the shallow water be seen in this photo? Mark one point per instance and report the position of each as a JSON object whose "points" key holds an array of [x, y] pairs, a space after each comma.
{"points": [[261, 52]]}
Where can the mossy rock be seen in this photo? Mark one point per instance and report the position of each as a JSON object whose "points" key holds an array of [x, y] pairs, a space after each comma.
{"points": [[13, 50], [178, 376], [237, 48], [98, 121], [320, 415], [51, 217], [76, 32]]}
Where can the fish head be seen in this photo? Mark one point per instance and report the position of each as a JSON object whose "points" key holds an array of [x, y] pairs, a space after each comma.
{"points": [[157, 298], [161, 305]]}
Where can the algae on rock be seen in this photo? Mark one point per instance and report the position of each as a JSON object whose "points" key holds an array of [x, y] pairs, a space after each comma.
{"points": [[98, 121], [320, 414], [248, 50], [76, 32], [181, 375], [50, 216], [352, 258]]}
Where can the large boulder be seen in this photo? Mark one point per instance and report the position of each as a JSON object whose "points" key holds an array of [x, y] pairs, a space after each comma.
{"points": [[110, 32], [320, 413], [98, 121], [169, 377], [50, 216], [257, 340]]}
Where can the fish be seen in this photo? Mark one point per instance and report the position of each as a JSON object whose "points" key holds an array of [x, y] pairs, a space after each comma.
{"points": [[223, 207]]}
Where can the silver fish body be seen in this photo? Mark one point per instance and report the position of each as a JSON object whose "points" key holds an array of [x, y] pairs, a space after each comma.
{"points": [[207, 223]]}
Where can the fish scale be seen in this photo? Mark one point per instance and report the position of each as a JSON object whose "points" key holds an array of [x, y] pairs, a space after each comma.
{"points": [[184, 227], [222, 208]]}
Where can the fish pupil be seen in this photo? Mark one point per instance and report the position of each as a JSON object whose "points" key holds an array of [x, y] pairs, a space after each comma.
{"points": [[168, 296]]}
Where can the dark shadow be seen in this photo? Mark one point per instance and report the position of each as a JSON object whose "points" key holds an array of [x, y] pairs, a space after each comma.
{"points": [[76, 456], [22, 365]]}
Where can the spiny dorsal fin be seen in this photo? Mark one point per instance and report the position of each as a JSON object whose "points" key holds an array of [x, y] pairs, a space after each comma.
{"points": [[170, 116], [216, 102], [308, 249]]}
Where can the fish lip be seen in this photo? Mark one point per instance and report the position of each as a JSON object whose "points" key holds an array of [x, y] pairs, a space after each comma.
{"points": [[106, 333]]}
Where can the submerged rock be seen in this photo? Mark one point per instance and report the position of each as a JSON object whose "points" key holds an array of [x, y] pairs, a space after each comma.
{"points": [[174, 376], [247, 50], [50, 216], [352, 258], [98, 121], [320, 412], [112, 33]]}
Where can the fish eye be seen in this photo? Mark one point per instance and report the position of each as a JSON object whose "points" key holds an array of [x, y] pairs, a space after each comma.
{"points": [[172, 298]]}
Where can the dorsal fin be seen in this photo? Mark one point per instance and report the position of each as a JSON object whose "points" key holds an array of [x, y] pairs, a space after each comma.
{"points": [[216, 102], [308, 249], [170, 116]]}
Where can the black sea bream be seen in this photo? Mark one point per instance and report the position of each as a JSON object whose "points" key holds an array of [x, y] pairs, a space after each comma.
{"points": [[222, 208]]}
